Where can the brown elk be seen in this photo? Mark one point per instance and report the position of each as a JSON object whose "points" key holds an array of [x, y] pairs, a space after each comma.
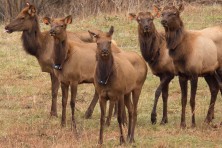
{"points": [[79, 65], [115, 79], [194, 53], [154, 51], [40, 45]]}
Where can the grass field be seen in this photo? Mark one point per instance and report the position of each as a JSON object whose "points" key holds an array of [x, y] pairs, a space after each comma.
{"points": [[25, 96]]}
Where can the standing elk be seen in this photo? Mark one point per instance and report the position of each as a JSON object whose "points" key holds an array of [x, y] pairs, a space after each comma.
{"points": [[155, 52], [115, 79], [79, 65], [40, 45], [194, 53]]}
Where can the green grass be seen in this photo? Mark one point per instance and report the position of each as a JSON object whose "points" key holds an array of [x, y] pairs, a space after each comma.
{"points": [[25, 98]]}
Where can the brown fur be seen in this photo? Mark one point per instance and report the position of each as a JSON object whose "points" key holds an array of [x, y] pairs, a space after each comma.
{"points": [[39, 44], [154, 51], [120, 78], [194, 54]]}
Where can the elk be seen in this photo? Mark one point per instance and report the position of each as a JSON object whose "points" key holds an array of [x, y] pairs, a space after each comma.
{"points": [[194, 53], [40, 45], [115, 79], [78, 67], [154, 51]]}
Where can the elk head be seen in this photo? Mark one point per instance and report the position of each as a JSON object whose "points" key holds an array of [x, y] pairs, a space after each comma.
{"points": [[24, 21], [103, 41], [171, 17], [145, 20], [58, 26]]}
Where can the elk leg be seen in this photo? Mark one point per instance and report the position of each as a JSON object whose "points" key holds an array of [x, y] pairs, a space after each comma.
{"points": [[193, 91], [111, 106], [165, 91], [120, 118], [124, 116], [92, 105], [214, 89], [54, 88], [115, 109], [136, 94], [102, 103], [164, 80], [219, 72], [183, 86], [128, 104], [72, 104], [65, 89]]}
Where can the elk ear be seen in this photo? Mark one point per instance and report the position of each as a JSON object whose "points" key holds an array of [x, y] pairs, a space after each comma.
{"points": [[31, 10], [132, 16], [68, 19], [181, 8], [93, 34], [27, 4], [156, 11], [111, 30], [46, 20]]}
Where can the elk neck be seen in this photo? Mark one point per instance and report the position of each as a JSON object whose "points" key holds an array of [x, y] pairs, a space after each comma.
{"points": [[174, 36], [104, 69], [31, 38], [150, 45], [60, 42]]}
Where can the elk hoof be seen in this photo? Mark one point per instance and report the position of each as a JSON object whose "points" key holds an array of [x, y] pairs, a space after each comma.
{"points": [[54, 114], [208, 120], [164, 121], [153, 118], [121, 139], [132, 140], [100, 142], [88, 114], [107, 123], [183, 125], [63, 124], [124, 123], [193, 125]]}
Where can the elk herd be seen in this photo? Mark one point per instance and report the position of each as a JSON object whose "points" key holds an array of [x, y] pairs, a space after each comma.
{"points": [[73, 58]]}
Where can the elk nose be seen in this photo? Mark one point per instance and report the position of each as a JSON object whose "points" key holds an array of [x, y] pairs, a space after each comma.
{"points": [[104, 50], [163, 22], [146, 27], [52, 32]]}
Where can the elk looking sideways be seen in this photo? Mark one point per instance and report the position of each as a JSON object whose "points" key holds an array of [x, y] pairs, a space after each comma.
{"points": [[40, 45], [194, 53], [116, 78]]}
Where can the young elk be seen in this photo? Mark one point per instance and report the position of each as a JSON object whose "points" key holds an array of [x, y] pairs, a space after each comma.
{"points": [[194, 53], [40, 45], [116, 77]]}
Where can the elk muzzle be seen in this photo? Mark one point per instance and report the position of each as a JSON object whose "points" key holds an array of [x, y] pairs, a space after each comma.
{"points": [[146, 28], [164, 22], [7, 29], [104, 52], [52, 32]]}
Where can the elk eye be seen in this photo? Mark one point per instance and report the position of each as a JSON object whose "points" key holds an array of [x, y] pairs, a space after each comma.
{"points": [[110, 42], [22, 18], [62, 26]]}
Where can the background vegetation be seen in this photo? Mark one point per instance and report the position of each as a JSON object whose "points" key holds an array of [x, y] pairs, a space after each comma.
{"points": [[81, 8], [25, 95]]}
